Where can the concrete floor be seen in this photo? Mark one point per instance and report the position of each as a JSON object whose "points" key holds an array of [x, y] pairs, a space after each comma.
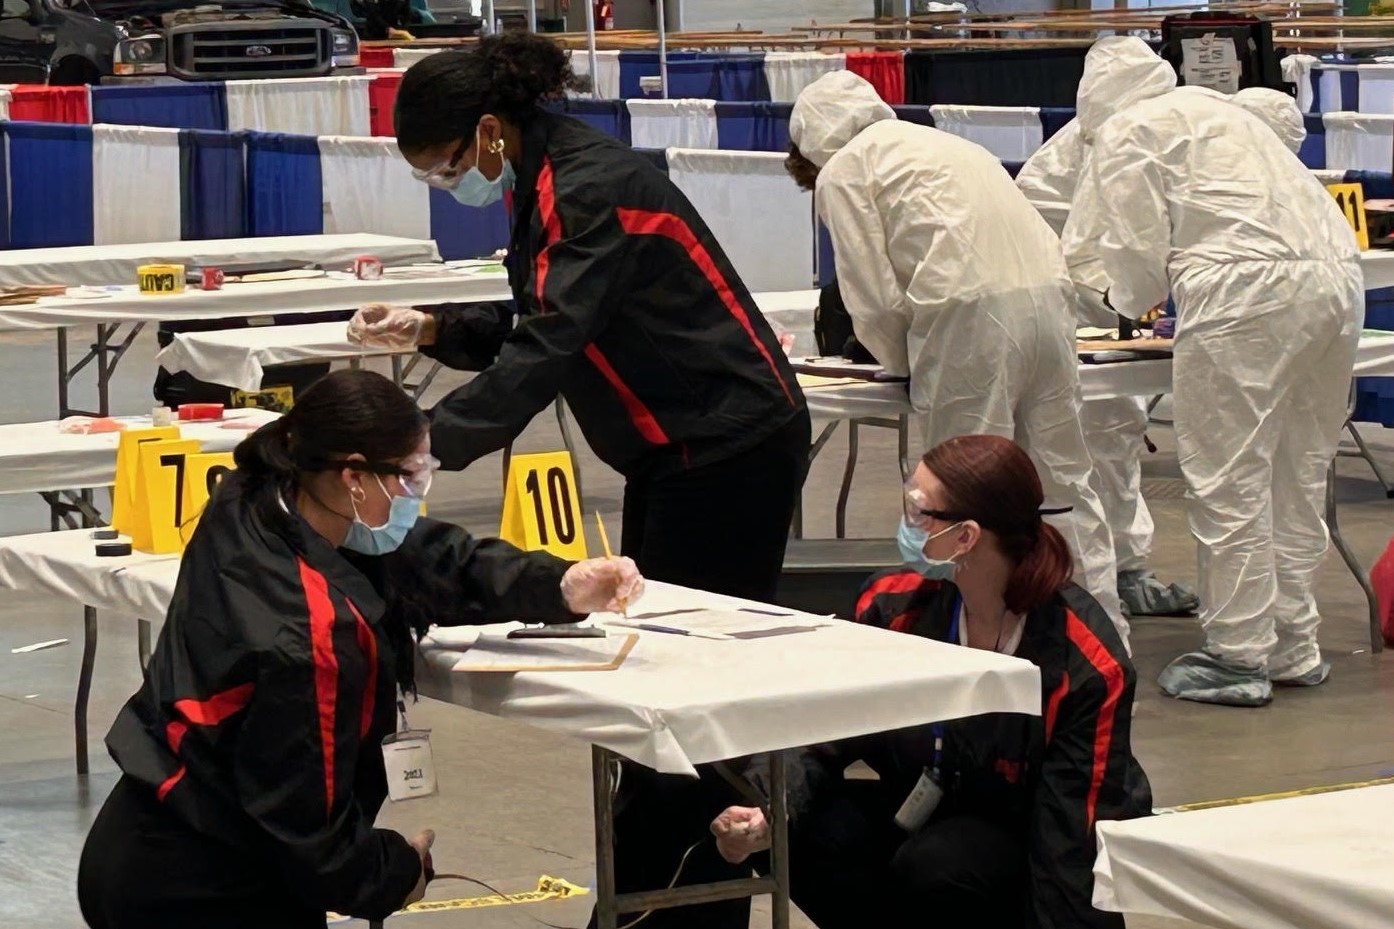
{"points": [[515, 802]]}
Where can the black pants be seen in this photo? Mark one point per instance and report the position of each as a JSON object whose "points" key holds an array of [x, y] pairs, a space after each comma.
{"points": [[142, 868], [721, 528], [851, 867]]}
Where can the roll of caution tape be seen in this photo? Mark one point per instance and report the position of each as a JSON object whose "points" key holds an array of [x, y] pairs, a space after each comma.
{"points": [[157, 280]]}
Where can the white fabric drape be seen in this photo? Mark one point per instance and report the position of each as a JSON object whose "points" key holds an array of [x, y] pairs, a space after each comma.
{"points": [[368, 187], [607, 76], [304, 106], [135, 185], [1012, 133], [1363, 141], [788, 73], [763, 222], [1376, 89], [672, 123], [4, 103], [1297, 70], [406, 57]]}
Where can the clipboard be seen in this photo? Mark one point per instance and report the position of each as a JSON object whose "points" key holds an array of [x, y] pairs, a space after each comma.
{"points": [[515, 656]]}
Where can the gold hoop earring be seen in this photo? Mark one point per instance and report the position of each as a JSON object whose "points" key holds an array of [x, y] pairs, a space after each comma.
{"points": [[496, 147], [358, 494]]}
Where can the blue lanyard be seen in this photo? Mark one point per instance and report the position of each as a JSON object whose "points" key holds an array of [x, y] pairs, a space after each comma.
{"points": [[938, 728]]}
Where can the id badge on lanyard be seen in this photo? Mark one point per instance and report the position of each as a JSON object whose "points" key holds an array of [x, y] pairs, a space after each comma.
{"points": [[406, 757], [928, 791]]}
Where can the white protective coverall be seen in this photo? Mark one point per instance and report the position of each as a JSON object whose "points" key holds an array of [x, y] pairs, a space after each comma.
{"points": [[1114, 428], [1189, 194], [951, 277]]}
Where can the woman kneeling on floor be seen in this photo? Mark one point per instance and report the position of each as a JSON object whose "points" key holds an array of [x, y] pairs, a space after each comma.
{"points": [[986, 821]]}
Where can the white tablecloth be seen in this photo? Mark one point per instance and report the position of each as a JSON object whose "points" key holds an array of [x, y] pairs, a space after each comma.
{"points": [[36, 456], [675, 702], [679, 701], [1374, 358], [336, 291], [238, 357], [1319, 862], [96, 265]]}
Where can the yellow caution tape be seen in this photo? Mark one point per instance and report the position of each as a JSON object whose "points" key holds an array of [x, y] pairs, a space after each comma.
{"points": [[548, 888], [1282, 795], [160, 279]]}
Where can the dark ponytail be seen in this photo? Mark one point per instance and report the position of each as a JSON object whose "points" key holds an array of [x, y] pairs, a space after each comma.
{"points": [[993, 482], [344, 413], [443, 96]]}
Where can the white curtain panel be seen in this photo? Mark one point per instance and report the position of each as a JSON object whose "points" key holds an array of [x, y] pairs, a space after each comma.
{"points": [[368, 187], [1297, 70], [1012, 133], [135, 185], [1376, 89], [1363, 141], [788, 73], [672, 123], [607, 72], [303, 106], [406, 57], [762, 220], [5, 103]]}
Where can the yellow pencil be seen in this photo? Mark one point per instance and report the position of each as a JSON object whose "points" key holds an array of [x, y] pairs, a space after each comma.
{"points": [[605, 544]]}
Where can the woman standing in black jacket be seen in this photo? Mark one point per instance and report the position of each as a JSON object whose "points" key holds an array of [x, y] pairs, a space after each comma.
{"points": [[251, 756], [627, 307], [1009, 843]]}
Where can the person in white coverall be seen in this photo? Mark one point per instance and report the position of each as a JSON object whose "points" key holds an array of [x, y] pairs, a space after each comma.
{"points": [[952, 278], [1190, 194], [1114, 427]]}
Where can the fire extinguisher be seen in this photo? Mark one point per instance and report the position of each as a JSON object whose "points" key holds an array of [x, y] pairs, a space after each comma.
{"points": [[604, 15]]}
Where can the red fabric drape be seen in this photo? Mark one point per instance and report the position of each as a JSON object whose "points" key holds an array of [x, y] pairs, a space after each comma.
{"points": [[375, 56], [38, 103], [884, 70], [382, 95]]}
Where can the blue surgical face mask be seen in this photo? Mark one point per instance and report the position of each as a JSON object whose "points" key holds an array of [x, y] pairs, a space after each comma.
{"points": [[912, 542], [474, 189], [380, 540]]}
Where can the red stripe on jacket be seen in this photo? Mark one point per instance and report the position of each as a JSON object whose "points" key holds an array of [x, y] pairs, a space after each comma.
{"points": [[903, 583], [642, 222], [1053, 704], [639, 414], [208, 712], [369, 643], [551, 227], [1108, 668], [321, 612]]}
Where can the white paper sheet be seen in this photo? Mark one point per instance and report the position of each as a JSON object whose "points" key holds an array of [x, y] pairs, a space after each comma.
{"points": [[495, 652]]}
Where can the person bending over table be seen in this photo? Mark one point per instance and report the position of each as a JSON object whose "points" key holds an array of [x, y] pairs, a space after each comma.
{"points": [[251, 756], [1010, 841]]}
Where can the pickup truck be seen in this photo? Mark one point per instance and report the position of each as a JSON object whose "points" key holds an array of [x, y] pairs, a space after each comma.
{"points": [[143, 41]]}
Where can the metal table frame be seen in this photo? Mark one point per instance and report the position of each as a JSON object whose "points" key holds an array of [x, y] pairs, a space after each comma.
{"points": [[609, 904]]}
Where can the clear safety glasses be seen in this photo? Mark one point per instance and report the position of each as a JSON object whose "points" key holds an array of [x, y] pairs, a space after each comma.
{"points": [[920, 515], [418, 472], [447, 174]]}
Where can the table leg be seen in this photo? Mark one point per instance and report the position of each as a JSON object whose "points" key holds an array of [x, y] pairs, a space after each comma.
{"points": [[779, 842], [847, 473], [1363, 451], [397, 376], [1356, 569], [607, 914], [84, 686], [143, 642], [565, 428], [903, 435]]}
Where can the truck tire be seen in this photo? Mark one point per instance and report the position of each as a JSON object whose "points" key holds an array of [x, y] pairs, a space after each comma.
{"points": [[73, 71]]}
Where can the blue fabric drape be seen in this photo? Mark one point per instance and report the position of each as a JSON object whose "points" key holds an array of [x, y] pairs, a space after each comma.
{"points": [[213, 185], [753, 127], [174, 106], [827, 265], [913, 113], [50, 184], [741, 78], [1313, 150], [609, 116], [634, 65], [1350, 91], [284, 185], [694, 78], [465, 231], [1053, 119]]}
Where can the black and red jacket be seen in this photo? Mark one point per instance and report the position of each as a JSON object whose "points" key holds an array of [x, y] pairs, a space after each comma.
{"points": [[1050, 777], [274, 682], [628, 308]]}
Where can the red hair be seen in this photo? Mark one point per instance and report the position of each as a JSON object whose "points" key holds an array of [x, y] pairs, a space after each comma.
{"points": [[992, 481]]}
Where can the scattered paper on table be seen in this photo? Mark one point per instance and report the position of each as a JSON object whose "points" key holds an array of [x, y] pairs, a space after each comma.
{"points": [[723, 624], [38, 646], [500, 654], [813, 381]]}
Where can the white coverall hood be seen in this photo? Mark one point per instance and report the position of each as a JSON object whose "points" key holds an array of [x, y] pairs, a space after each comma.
{"points": [[1276, 109], [1118, 72], [832, 111]]}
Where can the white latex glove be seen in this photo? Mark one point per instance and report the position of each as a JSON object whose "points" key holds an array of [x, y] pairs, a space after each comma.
{"points": [[381, 326], [601, 585], [740, 832]]}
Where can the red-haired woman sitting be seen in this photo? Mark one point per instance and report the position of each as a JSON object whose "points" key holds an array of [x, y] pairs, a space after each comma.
{"points": [[986, 821]]}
